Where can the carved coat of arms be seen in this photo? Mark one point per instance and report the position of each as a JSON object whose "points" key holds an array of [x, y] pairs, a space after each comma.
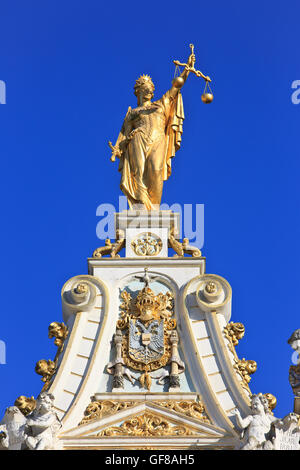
{"points": [[146, 324], [146, 342]]}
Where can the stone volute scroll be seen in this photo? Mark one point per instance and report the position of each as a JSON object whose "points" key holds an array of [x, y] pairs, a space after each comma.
{"points": [[214, 294], [79, 294]]}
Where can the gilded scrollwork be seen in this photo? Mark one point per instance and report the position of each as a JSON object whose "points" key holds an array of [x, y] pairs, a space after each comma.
{"points": [[190, 408], [47, 368], [147, 425], [244, 367], [234, 332], [25, 404], [99, 409], [147, 244], [271, 401], [59, 331]]}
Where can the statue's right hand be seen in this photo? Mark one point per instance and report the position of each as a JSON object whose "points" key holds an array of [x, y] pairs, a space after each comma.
{"points": [[115, 152]]}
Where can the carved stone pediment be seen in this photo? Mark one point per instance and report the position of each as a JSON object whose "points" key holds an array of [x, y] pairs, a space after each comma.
{"points": [[146, 420]]}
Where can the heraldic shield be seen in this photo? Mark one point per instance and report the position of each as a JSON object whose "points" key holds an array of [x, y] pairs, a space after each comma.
{"points": [[146, 344], [144, 335]]}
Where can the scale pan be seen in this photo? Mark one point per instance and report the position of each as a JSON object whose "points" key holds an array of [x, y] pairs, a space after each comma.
{"points": [[207, 97]]}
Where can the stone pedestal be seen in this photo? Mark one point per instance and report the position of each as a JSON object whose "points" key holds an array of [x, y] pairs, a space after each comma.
{"points": [[147, 232]]}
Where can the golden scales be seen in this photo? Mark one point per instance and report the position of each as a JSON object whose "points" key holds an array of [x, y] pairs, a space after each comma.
{"points": [[178, 81]]}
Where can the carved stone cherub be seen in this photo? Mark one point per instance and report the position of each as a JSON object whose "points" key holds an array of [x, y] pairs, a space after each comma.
{"points": [[257, 425], [12, 428], [110, 248], [42, 425]]}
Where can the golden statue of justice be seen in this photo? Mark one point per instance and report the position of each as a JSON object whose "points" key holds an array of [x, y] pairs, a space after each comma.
{"points": [[151, 135]]}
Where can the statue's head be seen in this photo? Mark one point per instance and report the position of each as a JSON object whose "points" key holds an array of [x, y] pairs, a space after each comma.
{"points": [[144, 88], [44, 402], [257, 404], [294, 340]]}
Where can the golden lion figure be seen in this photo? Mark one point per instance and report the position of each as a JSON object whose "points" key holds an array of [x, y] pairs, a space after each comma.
{"points": [[110, 248]]}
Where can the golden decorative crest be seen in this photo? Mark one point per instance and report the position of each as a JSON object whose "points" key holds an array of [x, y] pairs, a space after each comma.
{"points": [[146, 306], [146, 322], [147, 244], [244, 367]]}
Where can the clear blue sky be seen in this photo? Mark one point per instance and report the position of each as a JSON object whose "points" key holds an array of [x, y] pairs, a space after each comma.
{"points": [[69, 68]]}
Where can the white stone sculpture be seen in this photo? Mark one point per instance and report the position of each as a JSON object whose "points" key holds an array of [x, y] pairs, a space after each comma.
{"points": [[294, 340], [12, 428], [42, 425], [265, 432], [257, 425], [294, 372], [286, 433]]}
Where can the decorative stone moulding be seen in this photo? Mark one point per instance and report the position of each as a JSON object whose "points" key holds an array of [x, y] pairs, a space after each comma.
{"points": [[79, 294], [214, 294], [147, 232]]}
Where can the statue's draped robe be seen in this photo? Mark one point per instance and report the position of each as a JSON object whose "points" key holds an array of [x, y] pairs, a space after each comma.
{"points": [[149, 138]]}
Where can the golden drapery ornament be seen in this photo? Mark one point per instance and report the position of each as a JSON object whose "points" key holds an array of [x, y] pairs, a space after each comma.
{"points": [[149, 138]]}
